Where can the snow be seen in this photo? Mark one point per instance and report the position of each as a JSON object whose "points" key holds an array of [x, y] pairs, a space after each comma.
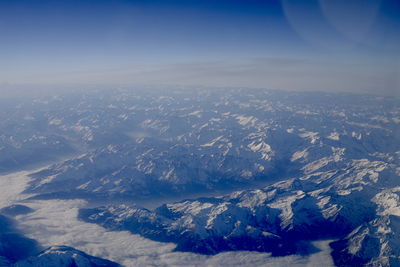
{"points": [[84, 185], [212, 142], [334, 136], [196, 113], [389, 203], [299, 155], [55, 122], [380, 119], [312, 136], [256, 198], [358, 136], [123, 116], [260, 147], [285, 205], [194, 207], [316, 165], [245, 120], [213, 215]]}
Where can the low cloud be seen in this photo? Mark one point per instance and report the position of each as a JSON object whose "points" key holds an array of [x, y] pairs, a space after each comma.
{"points": [[55, 222]]}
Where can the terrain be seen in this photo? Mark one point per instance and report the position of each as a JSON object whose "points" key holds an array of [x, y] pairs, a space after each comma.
{"points": [[205, 172]]}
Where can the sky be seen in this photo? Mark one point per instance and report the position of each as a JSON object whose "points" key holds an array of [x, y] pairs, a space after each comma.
{"points": [[324, 45]]}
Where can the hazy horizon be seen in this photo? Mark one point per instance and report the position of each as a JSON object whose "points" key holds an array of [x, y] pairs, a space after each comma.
{"points": [[320, 45]]}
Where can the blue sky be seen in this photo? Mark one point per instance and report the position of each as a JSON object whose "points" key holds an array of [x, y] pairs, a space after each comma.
{"points": [[342, 45]]}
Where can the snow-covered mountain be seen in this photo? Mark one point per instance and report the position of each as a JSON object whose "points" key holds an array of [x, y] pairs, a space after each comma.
{"points": [[64, 256], [257, 170], [349, 205], [179, 143]]}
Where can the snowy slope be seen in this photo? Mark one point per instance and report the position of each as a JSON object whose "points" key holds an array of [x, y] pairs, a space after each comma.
{"points": [[295, 168], [145, 144], [281, 218], [58, 256]]}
